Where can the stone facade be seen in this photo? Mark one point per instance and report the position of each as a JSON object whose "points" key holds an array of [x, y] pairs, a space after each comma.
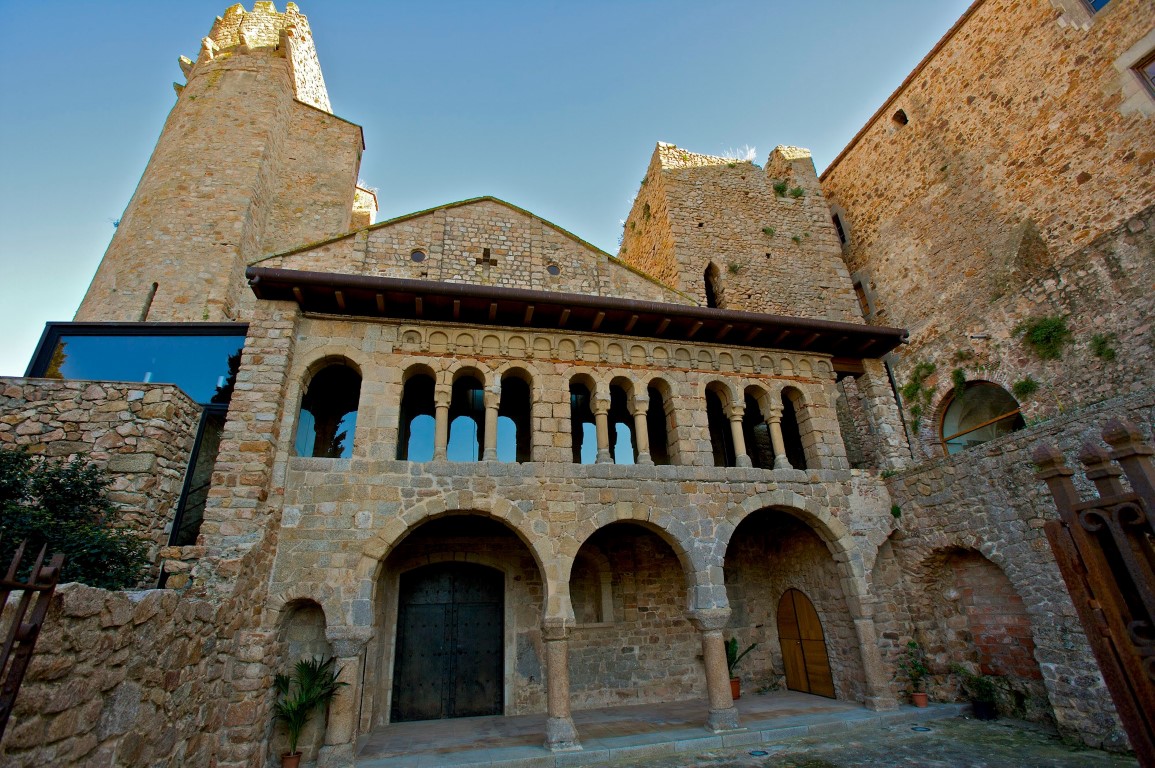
{"points": [[665, 489], [995, 212]]}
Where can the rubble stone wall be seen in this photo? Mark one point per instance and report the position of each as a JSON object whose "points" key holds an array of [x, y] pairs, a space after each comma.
{"points": [[140, 434], [986, 500]]}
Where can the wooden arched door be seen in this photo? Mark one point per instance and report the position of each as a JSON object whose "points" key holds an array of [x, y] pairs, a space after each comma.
{"points": [[803, 646]]}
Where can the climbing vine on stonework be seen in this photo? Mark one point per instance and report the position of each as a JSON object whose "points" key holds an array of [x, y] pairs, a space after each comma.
{"points": [[916, 395]]}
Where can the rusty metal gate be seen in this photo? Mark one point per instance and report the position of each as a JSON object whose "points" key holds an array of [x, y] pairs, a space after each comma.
{"points": [[22, 628], [450, 645], [1104, 550]]}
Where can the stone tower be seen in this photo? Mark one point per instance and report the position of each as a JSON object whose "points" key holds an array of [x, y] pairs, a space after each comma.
{"points": [[250, 161], [736, 236]]}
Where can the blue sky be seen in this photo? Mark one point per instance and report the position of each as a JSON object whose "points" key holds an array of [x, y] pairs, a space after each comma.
{"points": [[553, 106]]}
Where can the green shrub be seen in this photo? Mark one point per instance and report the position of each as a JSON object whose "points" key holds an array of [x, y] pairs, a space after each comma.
{"points": [[958, 378], [1103, 346], [797, 192], [1024, 388], [1046, 335], [768, 231], [64, 506], [780, 188]]}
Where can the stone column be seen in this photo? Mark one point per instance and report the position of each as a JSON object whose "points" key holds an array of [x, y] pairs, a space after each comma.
{"points": [[341, 729], [775, 422], [601, 409], [441, 398], [492, 400], [892, 448], [638, 409], [878, 693], [735, 413], [723, 716], [560, 733]]}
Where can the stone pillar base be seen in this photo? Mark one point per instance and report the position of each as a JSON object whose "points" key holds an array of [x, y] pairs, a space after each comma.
{"points": [[743, 461], [720, 720], [560, 735], [604, 457], [335, 756], [880, 703], [781, 462]]}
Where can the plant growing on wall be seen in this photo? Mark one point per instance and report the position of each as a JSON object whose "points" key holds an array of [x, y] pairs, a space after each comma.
{"points": [[1024, 388], [1045, 335], [958, 378], [917, 396], [64, 506], [733, 267], [780, 188], [1103, 346], [768, 231], [797, 192]]}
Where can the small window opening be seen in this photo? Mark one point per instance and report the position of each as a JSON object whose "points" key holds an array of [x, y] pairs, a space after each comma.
{"points": [[838, 228], [982, 411], [700, 224], [658, 428], [863, 303], [623, 447], [418, 423], [757, 434], [899, 118], [791, 433], [417, 255], [1145, 69], [466, 420], [583, 429], [721, 439], [553, 269], [329, 414], [713, 286], [148, 302], [514, 442]]}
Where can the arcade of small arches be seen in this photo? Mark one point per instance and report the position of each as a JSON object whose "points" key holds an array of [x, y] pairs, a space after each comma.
{"points": [[466, 415]]}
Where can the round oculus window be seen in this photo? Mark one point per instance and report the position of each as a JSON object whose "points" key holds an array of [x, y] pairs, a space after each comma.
{"points": [[553, 269], [417, 255]]}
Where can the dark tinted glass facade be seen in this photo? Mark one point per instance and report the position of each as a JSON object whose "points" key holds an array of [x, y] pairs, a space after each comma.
{"points": [[193, 356]]}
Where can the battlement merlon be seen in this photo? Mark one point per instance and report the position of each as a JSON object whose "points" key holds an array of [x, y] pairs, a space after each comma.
{"points": [[673, 156], [263, 29], [795, 166]]}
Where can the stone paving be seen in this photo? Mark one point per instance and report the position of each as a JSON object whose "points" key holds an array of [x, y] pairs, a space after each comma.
{"points": [[949, 743]]}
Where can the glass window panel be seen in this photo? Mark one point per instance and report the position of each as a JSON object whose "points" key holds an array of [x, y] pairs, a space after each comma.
{"points": [[199, 365]]}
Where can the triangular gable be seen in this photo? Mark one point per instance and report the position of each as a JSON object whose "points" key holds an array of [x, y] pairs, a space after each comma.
{"points": [[482, 241]]}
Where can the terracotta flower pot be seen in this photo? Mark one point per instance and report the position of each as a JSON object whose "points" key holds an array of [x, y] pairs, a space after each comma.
{"points": [[918, 698], [735, 688], [290, 761]]}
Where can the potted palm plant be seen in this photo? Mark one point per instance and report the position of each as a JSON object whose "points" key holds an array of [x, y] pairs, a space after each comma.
{"points": [[311, 685], [913, 665], [732, 659]]}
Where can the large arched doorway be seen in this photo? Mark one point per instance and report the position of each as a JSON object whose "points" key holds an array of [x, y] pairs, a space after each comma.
{"points": [[780, 578], [458, 612], [449, 642], [803, 646]]}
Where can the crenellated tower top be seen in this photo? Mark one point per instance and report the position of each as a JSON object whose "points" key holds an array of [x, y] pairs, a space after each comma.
{"points": [[264, 29]]}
